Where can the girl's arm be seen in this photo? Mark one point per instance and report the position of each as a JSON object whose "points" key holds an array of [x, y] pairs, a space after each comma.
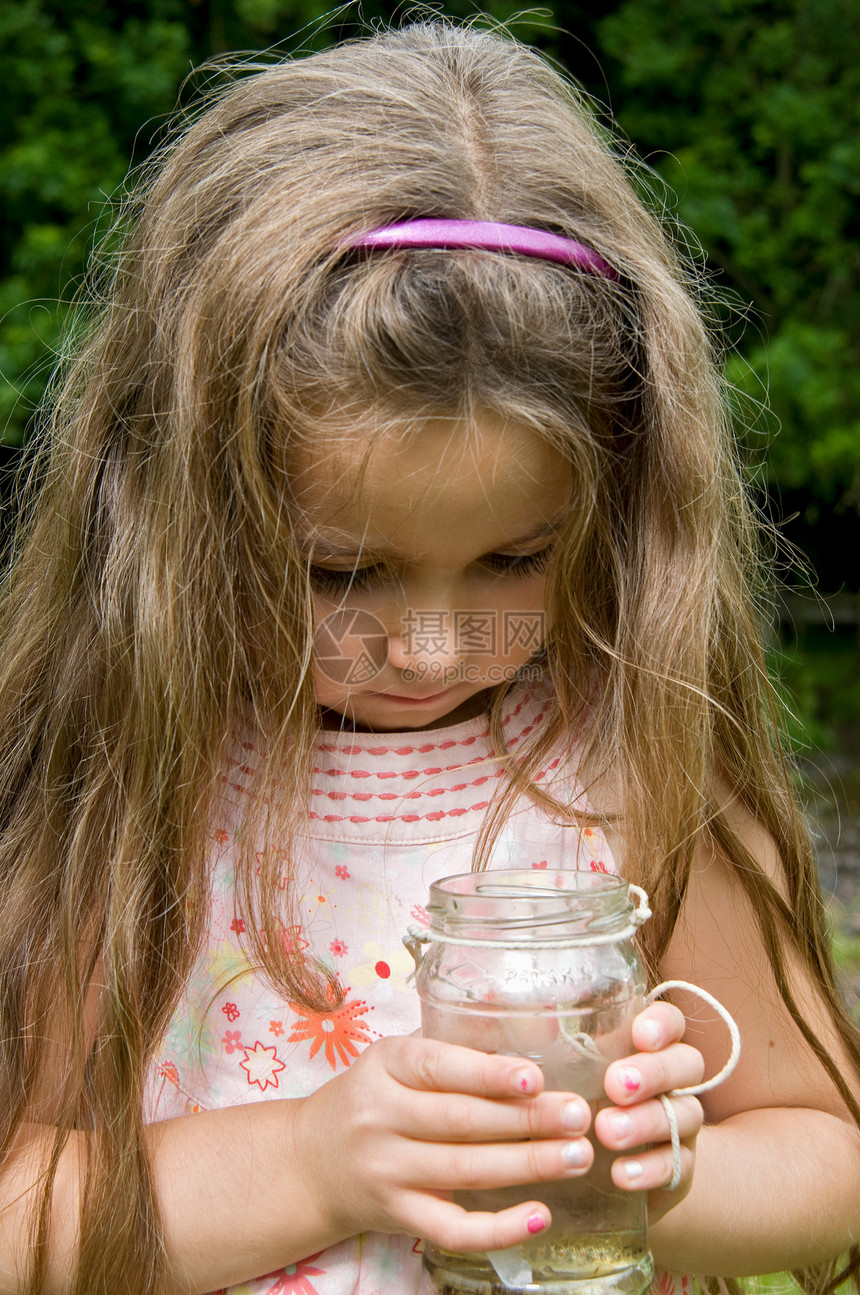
{"points": [[777, 1176], [247, 1190]]}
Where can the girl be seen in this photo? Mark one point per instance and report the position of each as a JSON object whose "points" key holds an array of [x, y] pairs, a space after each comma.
{"points": [[360, 555]]}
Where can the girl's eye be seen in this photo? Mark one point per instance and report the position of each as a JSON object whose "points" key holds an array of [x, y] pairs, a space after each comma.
{"points": [[525, 564], [328, 580], [335, 582]]}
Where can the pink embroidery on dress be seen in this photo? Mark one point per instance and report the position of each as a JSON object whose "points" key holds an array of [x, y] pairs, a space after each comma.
{"points": [[342, 872], [337, 1032], [432, 771], [232, 1041], [338, 948], [262, 1065], [364, 796]]}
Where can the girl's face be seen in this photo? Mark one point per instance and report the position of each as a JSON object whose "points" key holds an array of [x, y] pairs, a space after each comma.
{"points": [[427, 556]]}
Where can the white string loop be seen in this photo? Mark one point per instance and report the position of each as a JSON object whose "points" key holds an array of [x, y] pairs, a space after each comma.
{"points": [[693, 1090]]}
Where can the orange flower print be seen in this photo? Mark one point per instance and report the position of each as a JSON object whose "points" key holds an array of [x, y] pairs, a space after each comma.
{"points": [[276, 1027], [168, 1073], [262, 1065], [293, 1280], [168, 1070], [338, 1030]]}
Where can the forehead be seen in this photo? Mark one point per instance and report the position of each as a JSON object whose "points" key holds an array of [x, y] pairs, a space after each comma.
{"points": [[377, 487]]}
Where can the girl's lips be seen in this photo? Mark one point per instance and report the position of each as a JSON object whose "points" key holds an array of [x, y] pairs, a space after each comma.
{"points": [[409, 701]]}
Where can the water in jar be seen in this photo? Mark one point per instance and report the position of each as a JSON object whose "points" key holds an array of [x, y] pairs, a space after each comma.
{"points": [[596, 1244]]}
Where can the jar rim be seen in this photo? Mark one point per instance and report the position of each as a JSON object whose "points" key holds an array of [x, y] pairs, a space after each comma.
{"points": [[534, 903]]}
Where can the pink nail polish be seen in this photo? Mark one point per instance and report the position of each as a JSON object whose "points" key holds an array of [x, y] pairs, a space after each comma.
{"points": [[630, 1078], [525, 1081], [536, 1224]]}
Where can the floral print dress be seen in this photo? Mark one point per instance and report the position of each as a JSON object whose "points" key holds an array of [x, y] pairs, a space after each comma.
{"points": [[390, 813]]}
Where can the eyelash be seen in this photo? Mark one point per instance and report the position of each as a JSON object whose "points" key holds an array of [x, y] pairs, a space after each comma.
{"points": [[328, 581]]}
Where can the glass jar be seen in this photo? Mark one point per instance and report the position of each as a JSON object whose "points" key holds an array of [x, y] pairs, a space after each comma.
{"points": [[541, 964]]}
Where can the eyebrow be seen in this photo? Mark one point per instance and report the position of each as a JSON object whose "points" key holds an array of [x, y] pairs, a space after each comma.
{"points": [[337, 553]]}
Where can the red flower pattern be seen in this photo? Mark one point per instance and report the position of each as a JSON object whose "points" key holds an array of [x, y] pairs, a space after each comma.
{"points": [[293, 1280], [262, 1065], [231, 1011]]}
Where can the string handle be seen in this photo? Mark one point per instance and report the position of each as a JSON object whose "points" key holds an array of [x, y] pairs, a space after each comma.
{"points": [[693, 1090]]}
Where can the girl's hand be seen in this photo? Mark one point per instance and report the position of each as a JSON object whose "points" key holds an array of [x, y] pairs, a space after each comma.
{"points": [[662, 1063], [383, 1146]]}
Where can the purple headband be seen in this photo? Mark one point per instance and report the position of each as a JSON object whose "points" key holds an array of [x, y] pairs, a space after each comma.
{"points": [[490, 236]]}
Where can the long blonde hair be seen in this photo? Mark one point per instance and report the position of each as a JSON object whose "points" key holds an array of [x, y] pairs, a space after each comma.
{"points": [[156, 591]]}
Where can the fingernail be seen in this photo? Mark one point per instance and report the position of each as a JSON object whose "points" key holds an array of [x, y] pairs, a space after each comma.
{"points": [[651, 1032], [525, 1081], [536, 1223], [621, 1124], [574, 1155], [574, 1116], [633, 1169], [630, 1078]]}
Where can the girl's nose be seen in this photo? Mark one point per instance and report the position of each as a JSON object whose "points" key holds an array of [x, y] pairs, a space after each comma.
{"points": [[427, 637]]}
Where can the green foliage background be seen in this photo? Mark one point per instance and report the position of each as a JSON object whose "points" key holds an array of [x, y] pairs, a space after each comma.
{"points": [[748, 109]]}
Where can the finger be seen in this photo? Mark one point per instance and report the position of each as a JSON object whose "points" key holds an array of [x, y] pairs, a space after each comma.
{"points": [[635, 1079], [453, 1228], [482, 1167], [449, 1068], [649, 1170], [619, 1129], [658, 1026], [457, 1117]]}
